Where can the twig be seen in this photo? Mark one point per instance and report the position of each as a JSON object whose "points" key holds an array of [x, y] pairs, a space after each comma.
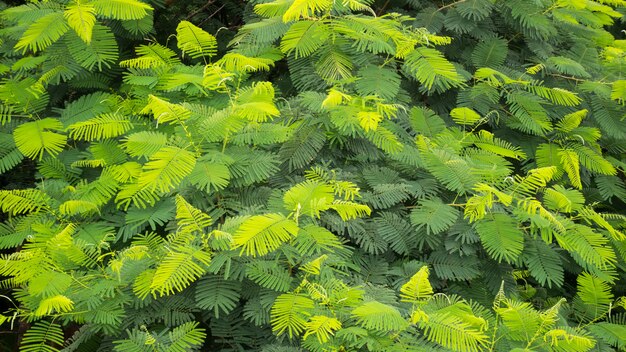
{"points": [[204, 7], [450, 5], [383, 8], [211, 15]]}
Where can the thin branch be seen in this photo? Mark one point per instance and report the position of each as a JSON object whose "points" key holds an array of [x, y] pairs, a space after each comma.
{"points": [[204, 7], [450, 5], [383, 8], [211, 15]]}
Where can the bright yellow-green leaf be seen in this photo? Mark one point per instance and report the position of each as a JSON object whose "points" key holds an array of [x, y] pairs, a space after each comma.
{"points": [[194, 41], [81, 17], [55, 304], [35, 138], [464, 116], [322, 326], [418, 288], [261, 234]]}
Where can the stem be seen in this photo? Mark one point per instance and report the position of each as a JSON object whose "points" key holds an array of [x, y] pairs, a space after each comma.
{"points": [[204, 7], [450, 5]]}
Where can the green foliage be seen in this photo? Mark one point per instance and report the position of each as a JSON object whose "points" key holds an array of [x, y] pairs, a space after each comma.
{"points": [[341, 176]]}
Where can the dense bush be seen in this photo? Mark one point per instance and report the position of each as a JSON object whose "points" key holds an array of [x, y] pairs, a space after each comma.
{"points": [[343, 175]]}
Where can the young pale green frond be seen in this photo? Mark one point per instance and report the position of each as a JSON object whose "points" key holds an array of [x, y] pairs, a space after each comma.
{"points": [[378, 316], [75, 207], [561, 199], [43, 32], [571, 165], [567, 339], [595, 295], [321, 327], [34, 139], [418, 288], [304, 37], [570, 121], [520, 318], [81, 18], [309, 198], [101, 127], [618, 92], [55, 304], [465, 116], [305, 8], [180, 267], [273, 9], [592, 247], [450, 331], [558, 96], [257, 102], [144, 143], [17, 202], [191, 219], [151, 56], [233, 62], [121, 9], [194, 41], [350, 210], [164, 111], [39, 337], [290, 313], [166, 168], [487, 141], [262, 234], [536, 179]]}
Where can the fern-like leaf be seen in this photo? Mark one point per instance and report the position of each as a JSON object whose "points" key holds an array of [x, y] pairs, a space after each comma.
{"points": [[34, 139], [262, 234], [418, 288], [121, 9], [81, 18], [321, 326], [290, 313], [378, 316], [39, 337], [43, 32], [189, 218], [501, 237], [195, 42], [178, 269], [101, 127]]}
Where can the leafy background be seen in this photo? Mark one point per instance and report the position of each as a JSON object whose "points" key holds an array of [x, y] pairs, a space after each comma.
{"points": [[313, 175]]}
